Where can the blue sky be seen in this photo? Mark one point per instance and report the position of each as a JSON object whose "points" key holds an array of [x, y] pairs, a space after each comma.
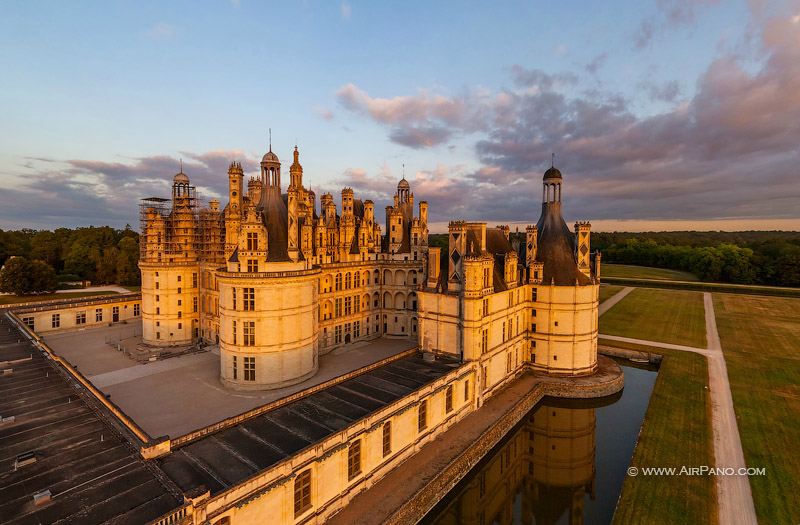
{"points": [[658, 112]]}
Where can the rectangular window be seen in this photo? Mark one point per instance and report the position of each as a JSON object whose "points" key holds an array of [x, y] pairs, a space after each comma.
{"points": [[356, 304], [194, 304], [422, 415], [338, 307], [533, 295], [235, 368], [533, 313], [156, 285], [249, 333], [158, 298], [347, 328], [338, 334], [509, 365], [252, 242], [179, 289], [56, 321], [486, 277], [233, 331], [466, 390], [348, 305], [249, 368], [533, 327], [510, 299], [180, 302], [387, 438], [485, 307], [302, 492], [354, 460], [137, 309], [158, 335], [504, 332], [510, 328], [448, 399], [356, 329], [347, 281], [28, 321], [356, 280], [98, 314], [80, 317], [249, 299], [180, 314], [485, 379], [233, 298], [338, 285], [252, 265], [485, 341], [179, 278], [194, 280]]}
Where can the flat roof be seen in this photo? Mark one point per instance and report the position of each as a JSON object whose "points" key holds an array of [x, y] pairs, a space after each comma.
{"points": [[92, 471], [224, 459], [181, 394]]}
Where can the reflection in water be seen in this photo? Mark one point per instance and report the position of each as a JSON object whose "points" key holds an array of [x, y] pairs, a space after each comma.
{"points": [[548, 469]]}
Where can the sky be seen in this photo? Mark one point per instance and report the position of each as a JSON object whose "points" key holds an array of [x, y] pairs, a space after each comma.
{"points": [[662, 115]]}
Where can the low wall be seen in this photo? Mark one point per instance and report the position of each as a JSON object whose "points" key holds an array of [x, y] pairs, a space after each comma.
{"points": [[79, 314], [654, 359]]}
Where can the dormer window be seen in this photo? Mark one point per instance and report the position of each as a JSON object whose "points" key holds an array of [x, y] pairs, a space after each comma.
{"points": [[252, 242]]}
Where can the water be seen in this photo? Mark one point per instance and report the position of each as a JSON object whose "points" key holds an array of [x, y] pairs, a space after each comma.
{"points": [[564, 463]]}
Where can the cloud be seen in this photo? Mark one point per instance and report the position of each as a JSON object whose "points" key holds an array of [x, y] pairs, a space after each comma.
{"points": [[346, 11], [729, 151], [160, 31], [323, 113], [596, 63], [49, 193], [670, 15]]}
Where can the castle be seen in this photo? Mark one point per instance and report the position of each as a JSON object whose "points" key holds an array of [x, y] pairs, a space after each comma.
{"points": [[273, 282]]}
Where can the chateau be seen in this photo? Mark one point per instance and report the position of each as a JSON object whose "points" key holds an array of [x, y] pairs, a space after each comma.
{"points": [[413, 341], [273, 282]]}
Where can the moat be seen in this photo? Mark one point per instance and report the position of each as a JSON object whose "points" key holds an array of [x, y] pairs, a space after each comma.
{"points": [[565, 462]]}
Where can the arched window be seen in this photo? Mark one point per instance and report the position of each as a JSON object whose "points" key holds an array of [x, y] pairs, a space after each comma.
{"points": [[338, 281], [302, 492], [347, 281], [356, 280]]}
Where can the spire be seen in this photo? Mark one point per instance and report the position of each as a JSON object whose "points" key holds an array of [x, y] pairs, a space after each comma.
{"points": [[270, 139], [181, 161], [553, 160], [404, 171]]}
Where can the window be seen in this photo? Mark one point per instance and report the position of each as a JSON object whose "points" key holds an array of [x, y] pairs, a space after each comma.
{"points": [[555, 358], [510, 328], [486, 277], [180, 314], [484, 341], [137, 309], [533, 327], [158, 310], [337, 334], [156, 285], [252, 265], [356, 328], [98, 314], [354, 460], [533, 313], [28, 321], [504, 332], [180, 326], [179, 289], [338, 307], [180, 302], [80, 317], [249, 298], [233, 298], [348, 305], [55, 321], [356, 280], [302, 492], [194, 280], [422, 415], [485, 307], [179, 278], [356, 304], [235, 368], [484, 377], [158, 335], [249, 335], [556, 323], [249, 368], [448, 399], [158, 298], [338, 285], [508, 363], [466, 390], [233, 331], [252, 242], [387, 438], [533, 295], [347, 280], [194, 305], [347, 328], [510, 299]]}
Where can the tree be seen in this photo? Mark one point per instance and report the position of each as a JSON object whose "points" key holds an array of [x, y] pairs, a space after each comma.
{"points": [[22, 277]]}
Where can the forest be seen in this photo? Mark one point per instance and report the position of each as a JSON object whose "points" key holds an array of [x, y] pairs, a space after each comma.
{"points": [[101, 255], [749, 257]]}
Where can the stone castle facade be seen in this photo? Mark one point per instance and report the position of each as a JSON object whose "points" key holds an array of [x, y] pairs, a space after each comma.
{"points": [[274, 281]]}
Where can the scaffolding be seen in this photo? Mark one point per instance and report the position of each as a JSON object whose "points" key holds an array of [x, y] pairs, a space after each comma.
{"points": [[178, 230]]}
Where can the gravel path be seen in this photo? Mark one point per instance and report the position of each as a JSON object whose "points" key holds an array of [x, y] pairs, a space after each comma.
{"points": [[611, 301]]}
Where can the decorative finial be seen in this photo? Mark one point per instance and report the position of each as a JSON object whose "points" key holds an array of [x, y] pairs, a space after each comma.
{"points": [[181, 165], [553, 160], [404, 172], [270, 139]]}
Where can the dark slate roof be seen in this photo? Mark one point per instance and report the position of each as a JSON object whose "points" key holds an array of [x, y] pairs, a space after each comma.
{"points": [[275, 217], [228, 457], [234, 255], [92, 480], [556, 248], [358, 208]]}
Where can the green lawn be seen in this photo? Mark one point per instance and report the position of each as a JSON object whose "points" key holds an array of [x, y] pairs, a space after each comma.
{"points": [[644, 272], [608, 291], [133, 288], [667, 316], [676, 431], [13, 299], [761, 341]]}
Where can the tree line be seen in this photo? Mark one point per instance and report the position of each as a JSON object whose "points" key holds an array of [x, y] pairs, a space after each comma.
{"points": [[754, 257], [102, 255]]}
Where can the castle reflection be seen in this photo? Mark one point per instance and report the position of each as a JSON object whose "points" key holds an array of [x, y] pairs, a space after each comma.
{"points": [[540, 474]]}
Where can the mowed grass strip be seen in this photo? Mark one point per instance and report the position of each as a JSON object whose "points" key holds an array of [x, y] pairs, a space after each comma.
{"points": [[667, 316], [761, 341], [607, 291], [13, 299], [676, 432], [644, 272]]}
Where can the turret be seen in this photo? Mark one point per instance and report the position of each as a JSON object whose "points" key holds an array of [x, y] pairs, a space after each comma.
{"points": [[582, 254], [296, 171], [347, 202]]}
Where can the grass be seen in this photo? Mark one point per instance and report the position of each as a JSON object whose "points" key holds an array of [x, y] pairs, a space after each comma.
{"points": [[607, 291], [759, 338], [676, 431], [133, 288], [14, 299], [644, 272], [667, 316]]}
